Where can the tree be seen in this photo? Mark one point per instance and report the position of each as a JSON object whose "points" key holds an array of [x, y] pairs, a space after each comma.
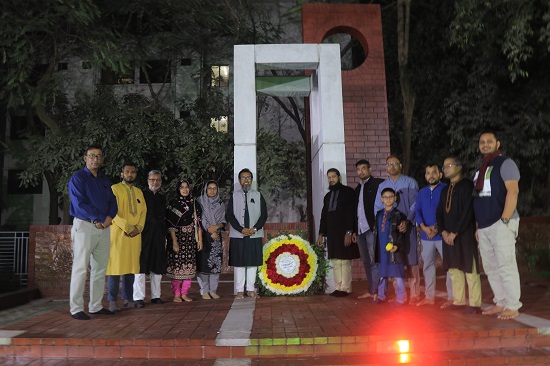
{"points": [[149, 138]]}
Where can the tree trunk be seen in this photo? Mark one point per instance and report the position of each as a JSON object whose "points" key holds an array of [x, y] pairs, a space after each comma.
{"points": [[67, 220], [407, 91], [53, 217]]}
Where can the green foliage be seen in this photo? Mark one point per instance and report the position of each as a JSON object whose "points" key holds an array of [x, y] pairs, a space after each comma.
{"points": [[509, 27], [281, 167], [477, 65], [149, 138], [533, 248]]}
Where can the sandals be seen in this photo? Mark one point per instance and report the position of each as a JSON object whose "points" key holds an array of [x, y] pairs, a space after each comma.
{"points": [[240, 295], [253, 295]]}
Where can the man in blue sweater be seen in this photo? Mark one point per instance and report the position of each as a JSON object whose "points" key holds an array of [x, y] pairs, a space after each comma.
{"points": [[426, 207]]}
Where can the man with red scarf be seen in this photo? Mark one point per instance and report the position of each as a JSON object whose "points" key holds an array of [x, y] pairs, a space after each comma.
{"points": [[495, 198]]}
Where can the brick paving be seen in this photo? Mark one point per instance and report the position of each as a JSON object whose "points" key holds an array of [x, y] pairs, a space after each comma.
{"points": [[286, 331]]}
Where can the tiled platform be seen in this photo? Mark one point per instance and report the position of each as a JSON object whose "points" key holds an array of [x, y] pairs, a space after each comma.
{"points": [[316, 330]]}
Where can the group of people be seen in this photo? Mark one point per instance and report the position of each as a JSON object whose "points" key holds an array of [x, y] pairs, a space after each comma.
{"points": [[380, 220], [125, 233]]}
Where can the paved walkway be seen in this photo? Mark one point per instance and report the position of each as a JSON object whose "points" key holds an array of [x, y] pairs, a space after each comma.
{"points": [[311, 330]]}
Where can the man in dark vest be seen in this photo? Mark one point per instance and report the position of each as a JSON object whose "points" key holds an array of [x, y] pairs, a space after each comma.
{"points": [[247, 214], [496, 193]]}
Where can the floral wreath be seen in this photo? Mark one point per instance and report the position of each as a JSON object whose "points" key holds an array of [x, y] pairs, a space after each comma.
{"points": [[291, 266]]}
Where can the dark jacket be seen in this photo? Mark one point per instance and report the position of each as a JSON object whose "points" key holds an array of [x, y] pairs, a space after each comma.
{"points": [[335, 223], [369, 198], [400, 239]]}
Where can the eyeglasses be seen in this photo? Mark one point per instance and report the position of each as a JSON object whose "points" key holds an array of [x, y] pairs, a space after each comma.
{"points": [[245, 178], [394, 163], [387, 197], [154, 180], [448, 166], [94, 156]]}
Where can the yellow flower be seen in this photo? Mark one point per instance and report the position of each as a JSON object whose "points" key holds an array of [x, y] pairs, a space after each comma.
{"points": [[301, 244], [389, 247]]}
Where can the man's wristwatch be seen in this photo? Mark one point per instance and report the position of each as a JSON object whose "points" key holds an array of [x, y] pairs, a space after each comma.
{"points": [[255, 230], [504, 220]]}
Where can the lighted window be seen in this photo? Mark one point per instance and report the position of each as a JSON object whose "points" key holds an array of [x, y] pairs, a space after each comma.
{"points": [[220, 75], [220, 124]]}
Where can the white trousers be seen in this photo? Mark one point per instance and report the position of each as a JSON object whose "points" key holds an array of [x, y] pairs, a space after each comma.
{"points": [[242, 275], [91, 246], [139, 286], [342, 274], [497, 245]]}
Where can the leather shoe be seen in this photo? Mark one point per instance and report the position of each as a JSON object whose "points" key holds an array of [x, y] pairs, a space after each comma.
{"points": [[80, 316], [338, 293], [157, 301], [140, 304], [103, 311]]}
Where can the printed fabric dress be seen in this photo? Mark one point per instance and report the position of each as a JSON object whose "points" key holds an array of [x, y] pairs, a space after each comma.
{"points": [[213, 213], [179, 218]]}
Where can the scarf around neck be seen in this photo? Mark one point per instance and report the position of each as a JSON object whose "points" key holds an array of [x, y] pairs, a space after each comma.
{"points": [[481, 175], [213, 209]]}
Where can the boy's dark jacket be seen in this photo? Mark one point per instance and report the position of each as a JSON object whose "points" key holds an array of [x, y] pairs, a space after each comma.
{"points": [[401, 240]]}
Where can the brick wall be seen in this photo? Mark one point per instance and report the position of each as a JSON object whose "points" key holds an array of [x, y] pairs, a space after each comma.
{"points": [[364, 88], [50, 255]]}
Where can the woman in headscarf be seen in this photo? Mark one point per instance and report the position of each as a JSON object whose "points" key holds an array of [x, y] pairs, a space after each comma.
{"points": [[185, 237], [210, 258]]}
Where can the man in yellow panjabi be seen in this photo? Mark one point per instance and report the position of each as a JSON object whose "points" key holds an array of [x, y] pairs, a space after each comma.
{"points": [[125, 238]]}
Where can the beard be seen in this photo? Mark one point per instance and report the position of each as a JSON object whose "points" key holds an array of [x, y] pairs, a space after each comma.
{"points": [[246, 188], [154, 188], [435, 182]]}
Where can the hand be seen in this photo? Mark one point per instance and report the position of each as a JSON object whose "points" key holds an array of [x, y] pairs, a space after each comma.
{"points": [[133, 233], [347, 240], [199, 246], [215, 236], [434, 230], [108, 221], [247, 231], [212, 229], [477, 236], [402, 226], [175, 247], [394, 249], [451, 238], [427, 230], [354, 238], [320, 240], [98, 225]]}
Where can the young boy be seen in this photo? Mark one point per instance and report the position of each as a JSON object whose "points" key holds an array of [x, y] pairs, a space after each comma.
{"points": [[392, 248]]}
